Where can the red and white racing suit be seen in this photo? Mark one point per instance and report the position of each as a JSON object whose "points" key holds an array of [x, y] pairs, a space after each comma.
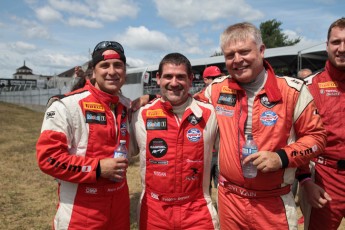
{"points": [[78, 130], [285, 121], [175, 160], [328, 90]]}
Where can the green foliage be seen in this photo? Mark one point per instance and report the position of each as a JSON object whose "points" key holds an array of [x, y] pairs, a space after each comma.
{"points": [[273, 36]]}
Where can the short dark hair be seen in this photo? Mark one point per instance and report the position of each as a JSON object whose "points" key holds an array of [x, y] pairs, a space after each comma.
{"points": [[176, 59], [338, 23]]}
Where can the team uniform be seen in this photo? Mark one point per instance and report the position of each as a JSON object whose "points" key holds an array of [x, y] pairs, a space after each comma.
{"points": [[284, 120], [175, 159], [78, 131], [328, 90]]}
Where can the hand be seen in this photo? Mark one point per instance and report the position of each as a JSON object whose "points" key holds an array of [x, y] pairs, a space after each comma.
{"points": [[316, 196], [140, 101], [114, 168], [78, 71], [265, 161]]}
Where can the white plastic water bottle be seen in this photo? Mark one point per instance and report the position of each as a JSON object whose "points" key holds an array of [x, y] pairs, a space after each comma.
{"points": [[120, 151], [249, 170]]}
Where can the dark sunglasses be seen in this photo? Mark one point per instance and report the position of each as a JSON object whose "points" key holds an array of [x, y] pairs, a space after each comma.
{"points": [[106, 44]]}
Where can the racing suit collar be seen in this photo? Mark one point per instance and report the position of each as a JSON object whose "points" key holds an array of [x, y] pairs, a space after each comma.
{"points": [[335, 73], [193, 106], [102, 96], [271, 87]]}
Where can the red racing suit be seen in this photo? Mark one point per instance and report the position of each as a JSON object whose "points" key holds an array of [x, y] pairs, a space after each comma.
{"points": [[78, 130], [285, 121], [175, 160], [328, 90]]}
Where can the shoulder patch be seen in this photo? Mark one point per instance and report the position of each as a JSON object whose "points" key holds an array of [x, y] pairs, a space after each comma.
{"points": [[294, 82]]}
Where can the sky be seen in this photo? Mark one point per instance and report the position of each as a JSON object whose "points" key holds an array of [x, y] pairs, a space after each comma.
{"points": [[52, 36]]}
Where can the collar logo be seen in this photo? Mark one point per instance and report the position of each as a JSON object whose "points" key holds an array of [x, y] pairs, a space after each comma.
{"points": [[193, 119], [265, 102]]}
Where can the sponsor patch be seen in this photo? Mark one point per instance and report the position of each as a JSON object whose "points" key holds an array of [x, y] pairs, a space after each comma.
{"points": [[155, 162], [194, 135], [224, 112], [304, 152], [123, 129], [227, 99], [89, 190], [226, 89], [328, 84], [194, 175], [264, 101], [155, 113], [158, 147], [124, 113], [86, 168], [193, 119], [268, 118], [156, 124], [96, 118], [93, 106], [330, 92], [50, 114], [160, 174]]}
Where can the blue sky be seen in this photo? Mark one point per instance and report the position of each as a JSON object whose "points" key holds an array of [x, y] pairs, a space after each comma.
{"points": [[52, 36]]}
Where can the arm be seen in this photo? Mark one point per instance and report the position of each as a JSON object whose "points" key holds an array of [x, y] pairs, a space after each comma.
{"points": [[55, 155], [316, 196], [141, 101], [310, 143]]}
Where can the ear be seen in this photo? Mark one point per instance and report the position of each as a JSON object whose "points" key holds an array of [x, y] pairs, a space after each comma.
{"points": [[158, 78], [262, 50], [191, 77]]}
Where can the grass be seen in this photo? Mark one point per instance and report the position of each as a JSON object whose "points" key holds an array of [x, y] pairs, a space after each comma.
{"points": [[28, 197]]}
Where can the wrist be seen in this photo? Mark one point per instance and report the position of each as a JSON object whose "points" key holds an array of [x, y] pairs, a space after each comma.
{"points": [[304, 181]]}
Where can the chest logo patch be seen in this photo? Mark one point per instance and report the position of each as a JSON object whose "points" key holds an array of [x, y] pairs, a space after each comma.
{"points": [[330, 92], [268, 118], [193, 119], [265, 102], [328, 84], [158, 147], [194, 135], [156, 124], [93, 106], [227, 99], [155, 113], [96, 118]]}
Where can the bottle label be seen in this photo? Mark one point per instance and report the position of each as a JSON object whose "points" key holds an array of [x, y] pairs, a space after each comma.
{"points": [[119, 154], [248, 151]]}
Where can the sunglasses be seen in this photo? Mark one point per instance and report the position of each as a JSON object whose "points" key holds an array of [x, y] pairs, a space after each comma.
{"points": [[106, 44]]}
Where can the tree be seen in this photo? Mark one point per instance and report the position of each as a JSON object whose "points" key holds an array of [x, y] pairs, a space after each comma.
{"points": [[273, 36]]}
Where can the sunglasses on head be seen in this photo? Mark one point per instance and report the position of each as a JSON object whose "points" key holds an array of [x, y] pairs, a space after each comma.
{"points": [[106, 44]]}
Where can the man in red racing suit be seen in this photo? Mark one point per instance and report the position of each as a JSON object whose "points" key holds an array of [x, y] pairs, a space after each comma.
{"points": [[284, 123], [79, 134], [175, 145], [328, 90]]}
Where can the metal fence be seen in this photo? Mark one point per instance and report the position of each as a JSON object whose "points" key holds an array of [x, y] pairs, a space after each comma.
{"points": [[29, 97]]}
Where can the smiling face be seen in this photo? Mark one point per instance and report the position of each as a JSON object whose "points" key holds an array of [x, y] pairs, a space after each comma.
{"points": [[174, 83], [336, 47], [110, 74], [244, 59]]}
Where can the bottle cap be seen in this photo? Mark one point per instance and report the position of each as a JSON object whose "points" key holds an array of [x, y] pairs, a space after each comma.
{"points": [[122, 141]]}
